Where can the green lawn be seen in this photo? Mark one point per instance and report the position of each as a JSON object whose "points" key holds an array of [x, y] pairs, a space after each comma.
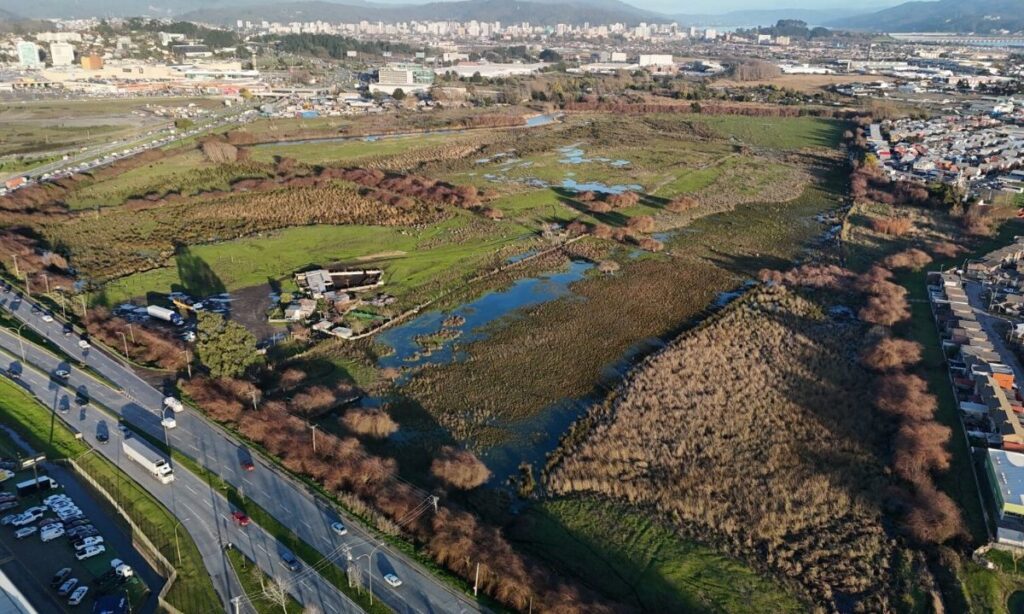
{"points": [[633, 559], [335, 152], [777, 132], [193, 591], [136, 182], [411, 259]]}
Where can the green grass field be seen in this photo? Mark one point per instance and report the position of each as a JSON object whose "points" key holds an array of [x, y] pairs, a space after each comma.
{"points": [[636, 561], [335, 152], [411, 259], [137, 181], [776, 133], [193, 591]]}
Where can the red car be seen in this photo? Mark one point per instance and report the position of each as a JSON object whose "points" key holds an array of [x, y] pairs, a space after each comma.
{"points": [[240, 519], [247, 465]]}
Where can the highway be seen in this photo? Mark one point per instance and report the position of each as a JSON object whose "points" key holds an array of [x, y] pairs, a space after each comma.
{"points": [[287, 500], [108, 153], [203, 512]]}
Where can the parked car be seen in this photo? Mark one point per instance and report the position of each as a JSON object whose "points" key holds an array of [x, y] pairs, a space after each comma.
{"points": [[87, 542], [8, 519], [339, 528], [25, 518], [77, 596], [90, 552], [59, 577], [54, 498], [68, 586], [6, 474], [240, 519], [8, 505], [25, 532], [51, 533], [37, 509], [392, 579]]}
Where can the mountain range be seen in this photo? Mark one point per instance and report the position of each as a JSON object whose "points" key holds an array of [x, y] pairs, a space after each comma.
{"points": [[980, 16]]}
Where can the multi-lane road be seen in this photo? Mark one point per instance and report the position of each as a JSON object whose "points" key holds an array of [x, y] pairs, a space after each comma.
{"points": [[290, 502], [202, 511]]}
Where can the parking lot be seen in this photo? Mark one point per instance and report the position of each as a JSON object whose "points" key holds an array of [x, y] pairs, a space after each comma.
{"points": [[31, 563]]}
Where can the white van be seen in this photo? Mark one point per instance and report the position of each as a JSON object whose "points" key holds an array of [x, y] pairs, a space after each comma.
{"points": [[174, 404]]}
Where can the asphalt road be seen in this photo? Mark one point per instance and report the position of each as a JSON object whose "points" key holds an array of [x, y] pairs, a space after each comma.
{"points": [[203, 511], [286, 499]]}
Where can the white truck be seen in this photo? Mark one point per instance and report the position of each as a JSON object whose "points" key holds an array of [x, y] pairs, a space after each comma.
{"points": [[154, 461], [165, 314]]}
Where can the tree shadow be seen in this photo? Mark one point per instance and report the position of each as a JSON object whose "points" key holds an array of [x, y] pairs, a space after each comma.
{"points": [[197, 277]]}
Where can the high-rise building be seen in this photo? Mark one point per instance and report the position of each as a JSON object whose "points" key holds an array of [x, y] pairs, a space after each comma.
{"points": [[28, 55], [62, 54]]}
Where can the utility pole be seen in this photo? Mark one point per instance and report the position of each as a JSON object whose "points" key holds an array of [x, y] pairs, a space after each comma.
{"points": [[254, 408], [124, 339], [46, 279], [16, 272], [313, 427], [63, 310], [234, 602], [28, 285], [131, 331], [188, 364], [476, 581], [84, 311]]}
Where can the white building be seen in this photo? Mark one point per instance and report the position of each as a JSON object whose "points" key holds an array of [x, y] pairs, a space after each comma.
{"points": [[618, 56], [655, 60], [62, 54], [28, 55]]}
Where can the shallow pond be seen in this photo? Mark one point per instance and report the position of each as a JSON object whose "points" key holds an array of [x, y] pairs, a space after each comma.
{"points": [[471, 317]]}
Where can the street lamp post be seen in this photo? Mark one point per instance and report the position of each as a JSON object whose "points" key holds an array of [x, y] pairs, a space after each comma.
{"points": [[369, 567]]}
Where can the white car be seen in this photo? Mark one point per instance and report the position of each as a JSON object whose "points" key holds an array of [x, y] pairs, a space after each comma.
{"points": [[77, 596], [392, 579], [90, 552], [339, 528], [62, 373], [67, 587], [25, 532], [89, 542], [57, 497], [84, 344], [25, 518], [51, 534], [169, 422], [47, 318]]}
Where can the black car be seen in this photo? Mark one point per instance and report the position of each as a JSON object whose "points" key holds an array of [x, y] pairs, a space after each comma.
{"points": [[290, 561], [68, 329], [82, 397], [102, 432], [60, 577]]}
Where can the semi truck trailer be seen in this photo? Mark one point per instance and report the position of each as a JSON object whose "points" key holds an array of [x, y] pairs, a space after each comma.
{"points": [[165, 314], [150, 458]]}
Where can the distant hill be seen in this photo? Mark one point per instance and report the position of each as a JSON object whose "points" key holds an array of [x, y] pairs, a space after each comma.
{"points": [[980, 16], [505, 11], [764, 17], [8, 16]]}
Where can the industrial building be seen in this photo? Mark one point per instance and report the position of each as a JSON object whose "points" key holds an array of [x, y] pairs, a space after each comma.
{"points": [[406, 77]]}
